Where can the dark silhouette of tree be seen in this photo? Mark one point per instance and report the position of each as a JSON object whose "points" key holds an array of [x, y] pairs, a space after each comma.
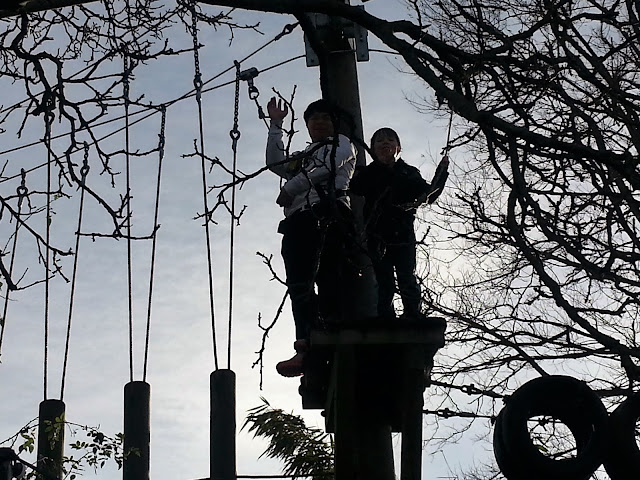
{"points": [[76, 66], [543, 216], [539, 270]]}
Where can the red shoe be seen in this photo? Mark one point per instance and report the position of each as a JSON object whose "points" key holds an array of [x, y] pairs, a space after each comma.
{"points": [[294, 366]]}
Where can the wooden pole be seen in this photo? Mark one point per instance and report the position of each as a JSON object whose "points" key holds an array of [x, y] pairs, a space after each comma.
{"points": [[51, 438], [341, 87], [6, 460], [346, 437], [137, 431], [411, 449], [361, 443], [223, 425]]}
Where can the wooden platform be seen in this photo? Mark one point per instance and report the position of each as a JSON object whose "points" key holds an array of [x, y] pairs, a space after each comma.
{"points": [[427, 332], [380, 367]]}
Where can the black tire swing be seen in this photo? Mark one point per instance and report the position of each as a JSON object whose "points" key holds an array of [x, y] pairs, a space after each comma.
{"points": [[566, 399], [622, 461]]}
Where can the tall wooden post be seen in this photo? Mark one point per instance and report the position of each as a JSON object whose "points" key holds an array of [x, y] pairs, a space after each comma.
{"points": [[137, 431], [223, 425], [51, 438], [346, 437], [371, 453], [6, 461], [411, 449], [341, 87]]}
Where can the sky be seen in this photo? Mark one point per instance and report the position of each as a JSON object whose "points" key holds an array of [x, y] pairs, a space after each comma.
{"points": [[180, 349]]}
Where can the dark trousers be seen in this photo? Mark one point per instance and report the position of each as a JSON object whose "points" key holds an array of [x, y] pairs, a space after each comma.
{"points": [[315, 250], [401, 258]]}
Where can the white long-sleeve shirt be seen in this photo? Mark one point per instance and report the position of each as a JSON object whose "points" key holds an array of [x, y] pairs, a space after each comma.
{"points": [[303, 175]]}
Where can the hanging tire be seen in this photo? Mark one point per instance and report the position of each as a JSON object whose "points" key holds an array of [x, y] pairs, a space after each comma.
{"points": [[574, 404], [504, 459], [622, 461]]}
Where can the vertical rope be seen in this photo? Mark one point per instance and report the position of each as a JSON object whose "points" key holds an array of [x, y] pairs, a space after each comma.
{"points": [[22, 193], [84, 171], [161, 144], [49, 117], [125, 85], [197, 83], [447, 147], [235, 136]]}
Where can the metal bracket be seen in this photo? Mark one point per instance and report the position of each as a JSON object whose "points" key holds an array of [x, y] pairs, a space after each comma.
{"points": [[356, 34]]}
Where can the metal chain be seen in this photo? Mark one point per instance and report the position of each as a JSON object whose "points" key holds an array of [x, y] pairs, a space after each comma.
{"points": [[125, 79], [84, 170], [161, 136], [197, 79], [235, 133], [22, 192], [22, 189]]}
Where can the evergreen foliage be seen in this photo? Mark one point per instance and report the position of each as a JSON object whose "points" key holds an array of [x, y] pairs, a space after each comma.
{"points": [[305, 451]]}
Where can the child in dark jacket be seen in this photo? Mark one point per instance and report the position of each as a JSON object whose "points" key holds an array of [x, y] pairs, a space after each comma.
{"points": [[393, 190]]}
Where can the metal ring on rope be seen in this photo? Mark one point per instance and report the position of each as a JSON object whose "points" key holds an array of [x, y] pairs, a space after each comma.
{"points": [[563, 398], [253, 91], [234, 134], [622, 460]]}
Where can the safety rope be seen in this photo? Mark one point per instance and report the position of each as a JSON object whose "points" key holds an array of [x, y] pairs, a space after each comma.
{"points": [[84, 171], [21, 191], [161, 145], [48, 118], [447, 147], [197, 83], [125, 86]]}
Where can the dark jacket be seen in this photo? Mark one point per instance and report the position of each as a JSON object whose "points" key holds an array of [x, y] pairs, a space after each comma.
{"points": [[391, 193]]}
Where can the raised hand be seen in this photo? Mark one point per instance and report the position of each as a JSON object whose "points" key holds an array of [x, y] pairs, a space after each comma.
{"points": [[277, 110]]}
